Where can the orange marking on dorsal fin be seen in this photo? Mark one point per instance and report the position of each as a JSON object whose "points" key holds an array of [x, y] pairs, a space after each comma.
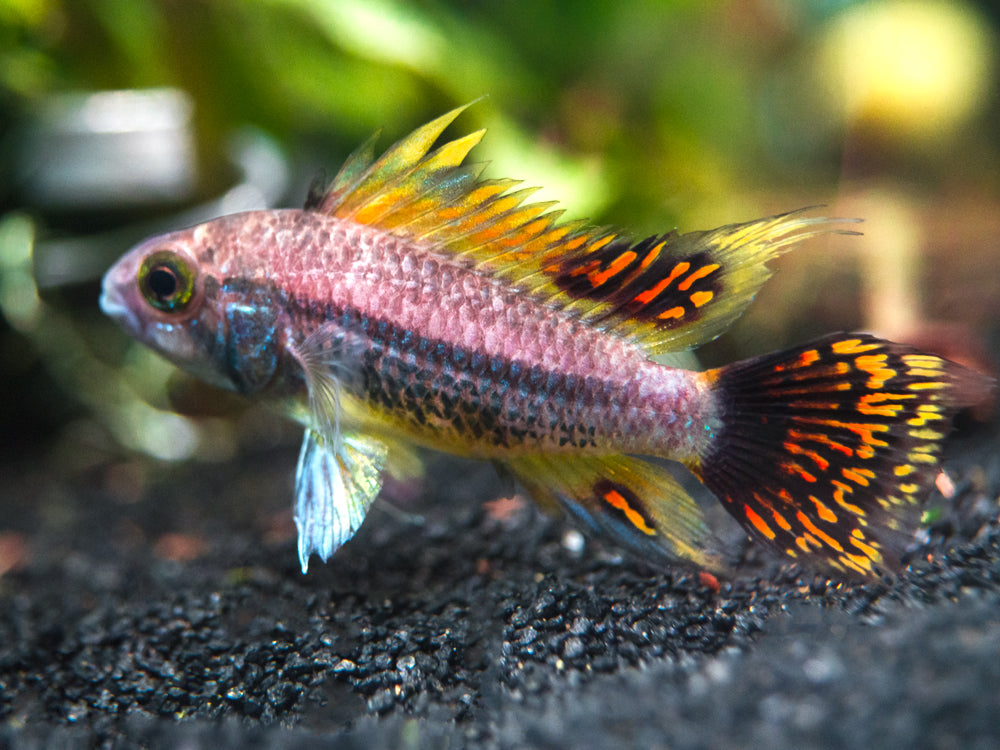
{"points": [[699, 274], [699, 299], [616, 267], [650, 294], [652, 255], [673, 312], [852, 346]]}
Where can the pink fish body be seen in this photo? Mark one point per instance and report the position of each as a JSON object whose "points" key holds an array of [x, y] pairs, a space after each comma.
{"points": [[413, 304]]}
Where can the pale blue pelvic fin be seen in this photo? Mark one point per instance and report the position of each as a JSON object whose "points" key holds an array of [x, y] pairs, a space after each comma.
{"points": [[334, 487], [339, 473]]}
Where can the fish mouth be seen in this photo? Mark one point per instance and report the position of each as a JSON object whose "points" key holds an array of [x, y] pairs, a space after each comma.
{"points": [[113, 305]]}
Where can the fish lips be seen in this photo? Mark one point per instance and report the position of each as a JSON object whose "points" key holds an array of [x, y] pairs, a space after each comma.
{"points": [[115, 302]]}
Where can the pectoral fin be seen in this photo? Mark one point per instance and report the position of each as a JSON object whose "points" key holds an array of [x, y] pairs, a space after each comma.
{"points": [[333, 490]]}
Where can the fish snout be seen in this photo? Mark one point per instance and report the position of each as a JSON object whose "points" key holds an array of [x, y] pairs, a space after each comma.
{"points": [[115, 303]]}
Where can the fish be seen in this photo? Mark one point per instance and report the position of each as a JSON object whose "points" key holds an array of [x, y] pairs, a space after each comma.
{"points": [[413, 303]]}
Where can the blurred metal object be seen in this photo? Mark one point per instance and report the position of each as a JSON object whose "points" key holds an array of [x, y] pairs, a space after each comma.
{"points": [[126, 158], [262, 180], [109, 149]]}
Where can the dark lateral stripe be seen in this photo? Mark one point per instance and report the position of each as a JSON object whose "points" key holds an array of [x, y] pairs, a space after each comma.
{"points": [[481, 397]]}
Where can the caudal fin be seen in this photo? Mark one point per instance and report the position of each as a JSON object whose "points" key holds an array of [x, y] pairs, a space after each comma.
{"points": [[827, 450]]}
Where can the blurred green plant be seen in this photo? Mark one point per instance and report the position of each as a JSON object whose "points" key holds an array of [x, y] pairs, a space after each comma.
{"points": [[640, 109], [644, 114]]}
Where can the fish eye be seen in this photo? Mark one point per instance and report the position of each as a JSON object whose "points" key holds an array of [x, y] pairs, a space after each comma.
{"points": [[167, 281]]}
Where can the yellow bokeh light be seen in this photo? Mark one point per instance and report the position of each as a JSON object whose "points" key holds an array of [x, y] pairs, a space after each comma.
{"points": [[910, 69]]}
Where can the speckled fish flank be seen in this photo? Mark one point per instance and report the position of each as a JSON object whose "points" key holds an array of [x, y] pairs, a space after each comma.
{"points": [[412, 303], [446, 353]]}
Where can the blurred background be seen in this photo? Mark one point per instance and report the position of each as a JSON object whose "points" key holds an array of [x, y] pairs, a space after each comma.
{"points": [[124, 118]]}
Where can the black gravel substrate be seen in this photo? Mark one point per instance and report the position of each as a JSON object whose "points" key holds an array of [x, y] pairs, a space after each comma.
{"points": [[480, 626]]}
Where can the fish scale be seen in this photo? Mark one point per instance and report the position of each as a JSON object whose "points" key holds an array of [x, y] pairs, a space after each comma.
{"points": [[544, 381], [501, 404], [412, 303]]}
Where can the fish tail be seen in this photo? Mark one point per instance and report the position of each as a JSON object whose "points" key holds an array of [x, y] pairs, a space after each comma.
{"points": [[825, 451]]}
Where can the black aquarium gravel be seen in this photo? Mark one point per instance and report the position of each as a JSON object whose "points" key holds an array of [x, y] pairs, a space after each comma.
{"points": [[470, 625]]}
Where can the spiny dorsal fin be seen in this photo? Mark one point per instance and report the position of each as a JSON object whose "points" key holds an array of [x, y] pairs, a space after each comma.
{"points": [[666, 293], [675, 291]]}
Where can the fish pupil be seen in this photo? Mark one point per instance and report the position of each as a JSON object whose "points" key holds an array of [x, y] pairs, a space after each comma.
{"points": [[162, 282]]}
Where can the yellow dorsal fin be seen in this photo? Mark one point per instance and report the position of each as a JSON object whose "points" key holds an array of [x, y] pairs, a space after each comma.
{"points": [[666, 293]]}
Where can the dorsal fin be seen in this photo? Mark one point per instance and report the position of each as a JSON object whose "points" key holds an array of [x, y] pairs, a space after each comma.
{"points": [[666, 292]]}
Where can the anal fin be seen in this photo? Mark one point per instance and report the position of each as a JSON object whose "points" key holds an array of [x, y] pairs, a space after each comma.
{"points": [[636, 504]]}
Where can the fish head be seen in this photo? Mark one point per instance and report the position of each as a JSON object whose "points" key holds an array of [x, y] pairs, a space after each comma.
{"points": [[164, 292]]}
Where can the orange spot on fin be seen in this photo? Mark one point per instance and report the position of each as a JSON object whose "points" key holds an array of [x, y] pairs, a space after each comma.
{"points": [[616, 267], [617, 500], [652, 255], [699, 274], [759, 523], [673, 312], [852, 346], [701, 298], [632, 502], [650, 294]]}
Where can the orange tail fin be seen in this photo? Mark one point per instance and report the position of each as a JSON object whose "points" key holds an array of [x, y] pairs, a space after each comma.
{"points": [[827, 449]]}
